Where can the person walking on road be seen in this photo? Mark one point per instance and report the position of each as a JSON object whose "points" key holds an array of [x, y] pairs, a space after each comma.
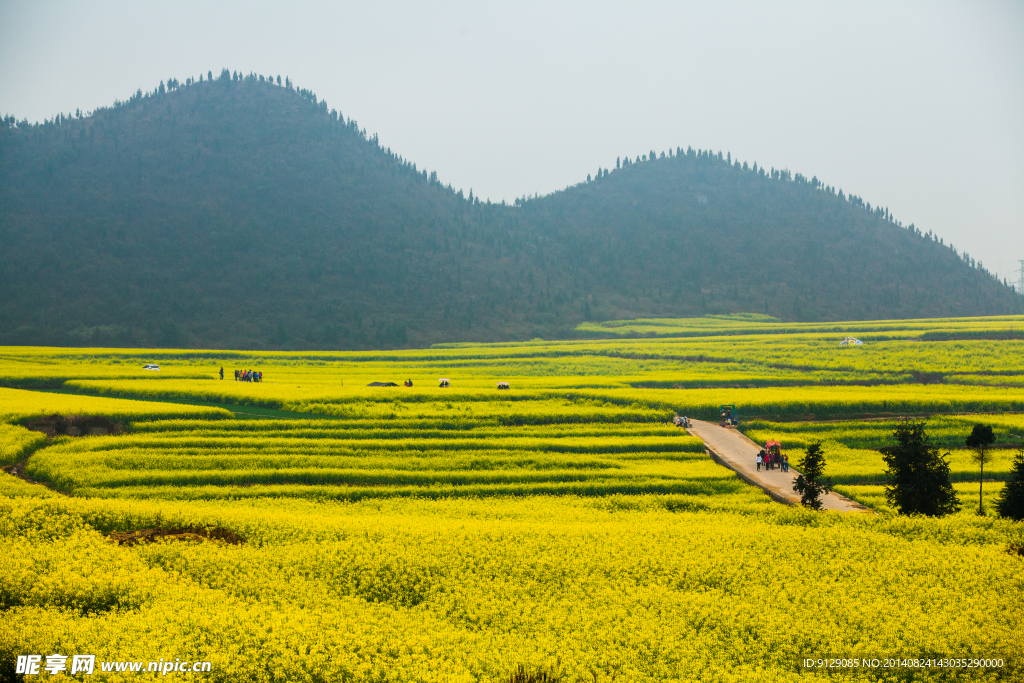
{"points": [[758, 462]]}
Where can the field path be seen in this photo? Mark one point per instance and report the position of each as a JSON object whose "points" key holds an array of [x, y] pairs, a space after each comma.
{"points": [[734, 450]]}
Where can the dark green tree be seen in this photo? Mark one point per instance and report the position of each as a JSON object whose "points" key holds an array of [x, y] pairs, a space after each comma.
{"points": [[980, 437], [918, 475], [1011, 499], [809, 484]]}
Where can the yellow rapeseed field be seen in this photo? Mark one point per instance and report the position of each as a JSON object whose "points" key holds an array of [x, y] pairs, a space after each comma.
{"points": [[20, 405], [319, 529]]}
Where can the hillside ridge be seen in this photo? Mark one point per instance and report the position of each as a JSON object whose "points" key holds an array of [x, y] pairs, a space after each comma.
{"points": [[235, 212]]}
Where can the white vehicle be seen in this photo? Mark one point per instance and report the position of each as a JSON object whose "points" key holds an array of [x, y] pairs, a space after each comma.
{"points": [[150, 366]]}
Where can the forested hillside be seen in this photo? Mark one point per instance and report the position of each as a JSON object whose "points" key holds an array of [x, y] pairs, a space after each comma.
{"points": [[241, 212]]}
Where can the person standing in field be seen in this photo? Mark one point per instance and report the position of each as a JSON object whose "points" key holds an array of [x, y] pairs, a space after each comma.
{"points": [[222, 373]]}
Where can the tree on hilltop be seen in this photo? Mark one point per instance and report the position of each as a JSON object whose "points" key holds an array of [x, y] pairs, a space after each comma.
{"points": [[810, 484], [1011, 499], [980, 437], [918, 475]]}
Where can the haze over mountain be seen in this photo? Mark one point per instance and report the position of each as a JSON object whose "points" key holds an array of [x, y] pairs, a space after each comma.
{"points": [[242, 213]]}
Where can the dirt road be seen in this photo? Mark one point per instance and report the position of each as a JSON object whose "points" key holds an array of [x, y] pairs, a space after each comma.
{"points": [[734, 450]]}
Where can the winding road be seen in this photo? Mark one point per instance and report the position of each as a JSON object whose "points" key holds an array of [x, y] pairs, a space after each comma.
{"points": [[732, 449]]}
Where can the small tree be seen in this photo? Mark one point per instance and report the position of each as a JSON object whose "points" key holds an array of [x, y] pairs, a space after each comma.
{"points": [[1011, 498], [810, 484], [980, 437], [918, 476]]}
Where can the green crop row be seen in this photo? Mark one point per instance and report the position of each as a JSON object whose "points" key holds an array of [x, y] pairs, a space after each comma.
{"points": [[397, 429], [334, 492]]}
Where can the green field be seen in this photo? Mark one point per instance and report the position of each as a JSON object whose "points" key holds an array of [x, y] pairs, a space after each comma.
{"points": [[460, 533]]}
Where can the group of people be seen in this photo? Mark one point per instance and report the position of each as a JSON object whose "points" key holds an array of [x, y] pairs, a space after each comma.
{"points": [[772, 458], [246, 375]]}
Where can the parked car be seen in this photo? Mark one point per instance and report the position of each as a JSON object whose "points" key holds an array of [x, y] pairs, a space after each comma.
{"points": [[150, 366]]}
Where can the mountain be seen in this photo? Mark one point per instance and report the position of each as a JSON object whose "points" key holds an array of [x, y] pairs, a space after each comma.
{"points": [[240, 213]]}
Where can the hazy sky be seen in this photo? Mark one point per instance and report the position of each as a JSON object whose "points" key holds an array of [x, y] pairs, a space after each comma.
{"points": [[917, 106]]}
